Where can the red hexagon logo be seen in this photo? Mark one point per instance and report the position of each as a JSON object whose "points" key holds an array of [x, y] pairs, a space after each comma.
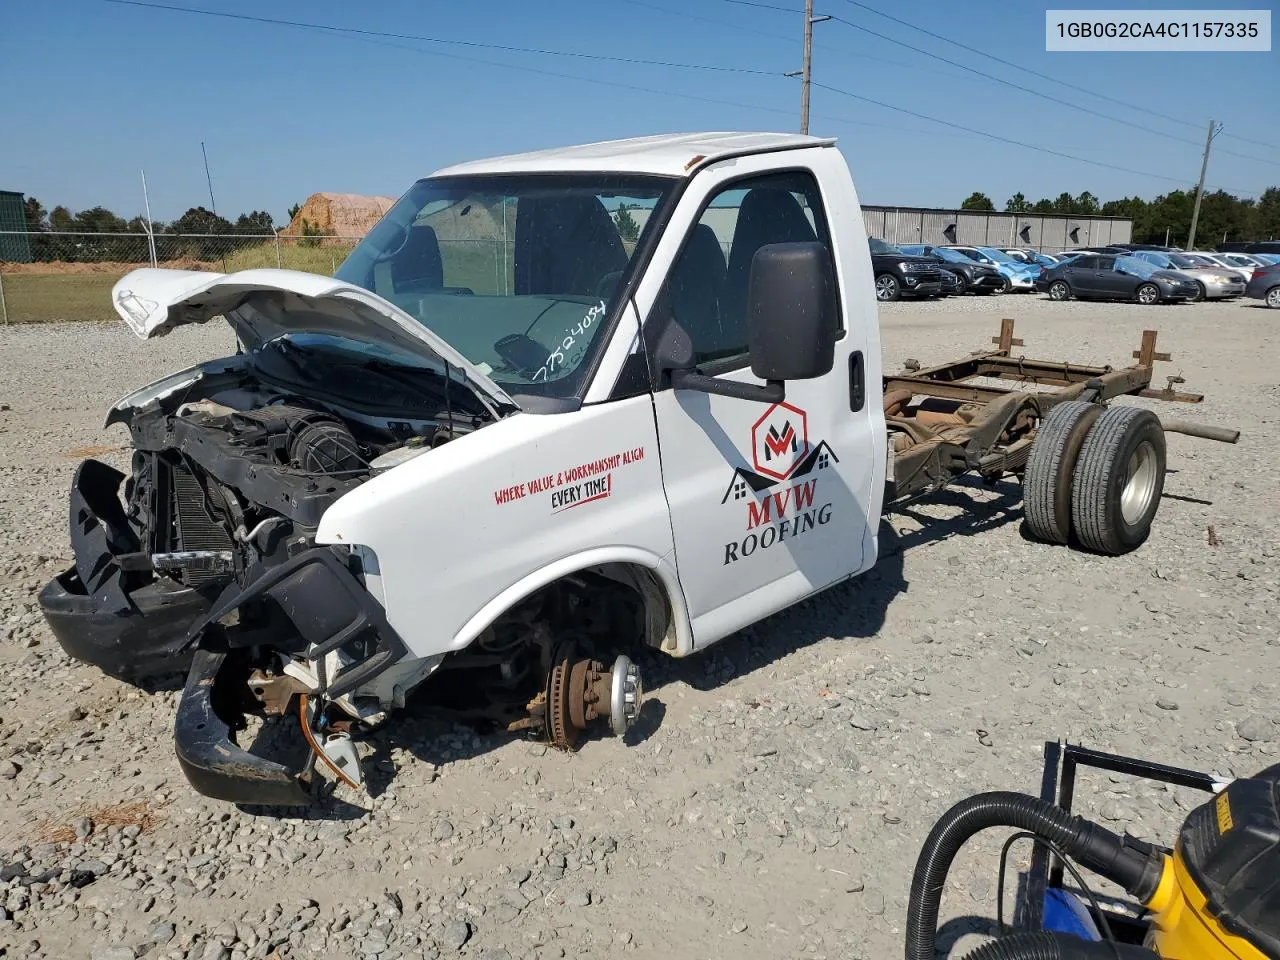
{"points": [[780, 441]]}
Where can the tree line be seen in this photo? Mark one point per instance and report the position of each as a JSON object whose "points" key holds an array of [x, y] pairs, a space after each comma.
{"points": [[1223, 216], [199, 233]]}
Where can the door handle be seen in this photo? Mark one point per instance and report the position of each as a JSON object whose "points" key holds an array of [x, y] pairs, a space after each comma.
{"points": [[857, 381]]}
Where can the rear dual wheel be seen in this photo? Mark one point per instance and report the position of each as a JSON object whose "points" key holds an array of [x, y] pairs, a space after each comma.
{"points": [[1096, 473]]}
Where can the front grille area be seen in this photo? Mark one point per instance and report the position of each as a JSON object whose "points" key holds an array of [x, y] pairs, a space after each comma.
{"points": [[196, 527]]}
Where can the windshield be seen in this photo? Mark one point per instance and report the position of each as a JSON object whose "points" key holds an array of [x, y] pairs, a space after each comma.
{"points": [[879, 246], [1268, 257], [951, 256], [1186, 260], [1000, 256], [1135, 267], [518, 273]]}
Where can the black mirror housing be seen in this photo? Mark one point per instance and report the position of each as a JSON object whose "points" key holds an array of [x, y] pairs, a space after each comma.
{"points": [[792, 312]]}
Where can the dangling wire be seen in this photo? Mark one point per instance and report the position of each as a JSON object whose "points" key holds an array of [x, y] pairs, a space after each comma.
{"points": [[1108, 935]]}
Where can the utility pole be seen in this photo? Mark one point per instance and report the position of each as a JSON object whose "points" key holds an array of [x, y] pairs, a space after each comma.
{"points": [[1214, 130], [807, 70]]}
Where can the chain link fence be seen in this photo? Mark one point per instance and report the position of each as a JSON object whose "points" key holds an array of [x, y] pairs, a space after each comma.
{"points": [[52, 276]]}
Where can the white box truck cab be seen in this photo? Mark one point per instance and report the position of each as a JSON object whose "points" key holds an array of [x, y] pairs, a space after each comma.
{"points": [[554, 407]]}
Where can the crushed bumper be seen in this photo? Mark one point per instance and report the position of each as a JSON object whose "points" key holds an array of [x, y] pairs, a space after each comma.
{"points": [[331, 612], [102, 610], [209, 715], [147, 639]]}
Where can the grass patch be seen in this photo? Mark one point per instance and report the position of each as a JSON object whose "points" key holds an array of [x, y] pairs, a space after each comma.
{"points": [[46, 297]]}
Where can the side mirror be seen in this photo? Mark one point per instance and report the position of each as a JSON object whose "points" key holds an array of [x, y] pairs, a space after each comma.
{"points": [[792, 319], [792, 312]]}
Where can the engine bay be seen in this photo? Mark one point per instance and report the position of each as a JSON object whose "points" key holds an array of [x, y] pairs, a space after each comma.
{"points": [[238, 475]]}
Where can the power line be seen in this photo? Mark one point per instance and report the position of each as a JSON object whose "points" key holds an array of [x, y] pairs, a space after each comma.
{"points": [[1002, 139], [759, 4], [1035, 73], [771, 35], [356, 31], [578, 78], [385, 39]]}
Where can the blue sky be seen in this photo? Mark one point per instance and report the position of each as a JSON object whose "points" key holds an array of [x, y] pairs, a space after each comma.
{"points": [[97, 91]]}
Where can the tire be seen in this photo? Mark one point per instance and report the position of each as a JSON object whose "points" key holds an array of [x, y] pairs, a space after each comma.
{"points": [[1272, 299], [1147, 294], [1059, 290], [1119, 478], [1046, 486], [1202, 295], [964, 285], [887, 288], [1005, 285]]}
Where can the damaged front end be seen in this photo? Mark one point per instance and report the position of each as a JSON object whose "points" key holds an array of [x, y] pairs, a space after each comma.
{"points": [[344, 644]]}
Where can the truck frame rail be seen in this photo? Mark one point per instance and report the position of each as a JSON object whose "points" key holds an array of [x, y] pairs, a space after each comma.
{"points": [[980, 414]]}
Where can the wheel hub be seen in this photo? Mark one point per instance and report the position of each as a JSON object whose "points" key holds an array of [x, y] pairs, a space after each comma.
{"points": [[582, 691]]}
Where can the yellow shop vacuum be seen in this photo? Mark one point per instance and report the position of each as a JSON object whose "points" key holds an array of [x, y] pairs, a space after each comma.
{"points": [[1214, 896]]}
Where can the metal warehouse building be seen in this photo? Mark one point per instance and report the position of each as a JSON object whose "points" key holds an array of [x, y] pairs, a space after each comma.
{"points": [[14, 245], [1046, 232]]}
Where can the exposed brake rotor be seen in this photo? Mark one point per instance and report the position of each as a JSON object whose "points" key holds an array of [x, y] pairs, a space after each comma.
{"points": [[559, 728], [580, 691]]}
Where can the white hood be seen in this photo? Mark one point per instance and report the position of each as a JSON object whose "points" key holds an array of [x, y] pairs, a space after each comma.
{"points": [[263, 304]]}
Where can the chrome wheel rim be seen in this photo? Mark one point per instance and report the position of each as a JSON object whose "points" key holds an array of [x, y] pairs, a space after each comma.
{"points": [[1141, 474], [1148, 295], [1273, 297], [886, 287], [1058, 291]]}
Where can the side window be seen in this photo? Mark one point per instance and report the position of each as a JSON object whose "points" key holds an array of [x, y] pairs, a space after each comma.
{"points": [[707, 286], [1106, 263], [1085, 263]]}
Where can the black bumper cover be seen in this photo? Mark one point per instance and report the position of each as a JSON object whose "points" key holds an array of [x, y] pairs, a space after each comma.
{"points": [[101, 610], [208, 715], [146, 640], [330, 609]]}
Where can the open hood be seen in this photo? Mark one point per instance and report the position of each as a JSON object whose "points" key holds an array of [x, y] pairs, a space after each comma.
{"points": [[263, 304]]}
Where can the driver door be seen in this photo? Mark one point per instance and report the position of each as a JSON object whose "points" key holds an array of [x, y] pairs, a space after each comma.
{"points": [[769, 502]]}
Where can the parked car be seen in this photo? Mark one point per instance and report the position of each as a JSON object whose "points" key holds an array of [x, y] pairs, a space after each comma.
{"points": [[1248, 262], [1146, 246], [900, 275], [1034, 257], [1214, 282], [1109, 277], [974, 277], [1265, 286], [1250, 246], [1021, 276]]}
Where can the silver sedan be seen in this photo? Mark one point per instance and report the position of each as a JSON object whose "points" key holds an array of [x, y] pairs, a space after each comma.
{"points": [[1216, 282]]}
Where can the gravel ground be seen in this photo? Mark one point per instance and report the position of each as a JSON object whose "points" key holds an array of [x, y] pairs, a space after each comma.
{"points": [[782, 784]]}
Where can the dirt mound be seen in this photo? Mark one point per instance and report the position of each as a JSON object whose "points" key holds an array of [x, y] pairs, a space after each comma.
{"points": [[338, 214]]}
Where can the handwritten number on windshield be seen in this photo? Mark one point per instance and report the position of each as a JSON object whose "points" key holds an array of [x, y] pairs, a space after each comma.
{"points": [[556, 360]]}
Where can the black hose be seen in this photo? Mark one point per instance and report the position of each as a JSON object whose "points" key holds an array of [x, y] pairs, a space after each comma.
{"points": [[1133, 865], [1056, 946]]}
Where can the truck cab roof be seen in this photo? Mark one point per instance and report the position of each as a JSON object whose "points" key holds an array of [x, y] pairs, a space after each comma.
{"points": [[672, 155]]}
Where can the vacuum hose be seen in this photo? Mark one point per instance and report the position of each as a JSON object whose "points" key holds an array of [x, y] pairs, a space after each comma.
{"points": [[1056, 946], [1130, 863]]}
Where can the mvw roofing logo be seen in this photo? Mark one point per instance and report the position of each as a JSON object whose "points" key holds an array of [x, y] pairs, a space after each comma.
{"points": [[780, 440], [780, 450], [790, 507]]}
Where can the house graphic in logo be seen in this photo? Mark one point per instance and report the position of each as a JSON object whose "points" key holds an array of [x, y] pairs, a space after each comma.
{"points": [[780, 451]]}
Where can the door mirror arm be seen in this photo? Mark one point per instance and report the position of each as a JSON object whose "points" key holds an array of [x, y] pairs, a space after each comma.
{"points": [[774, 391], [674, 356]]}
